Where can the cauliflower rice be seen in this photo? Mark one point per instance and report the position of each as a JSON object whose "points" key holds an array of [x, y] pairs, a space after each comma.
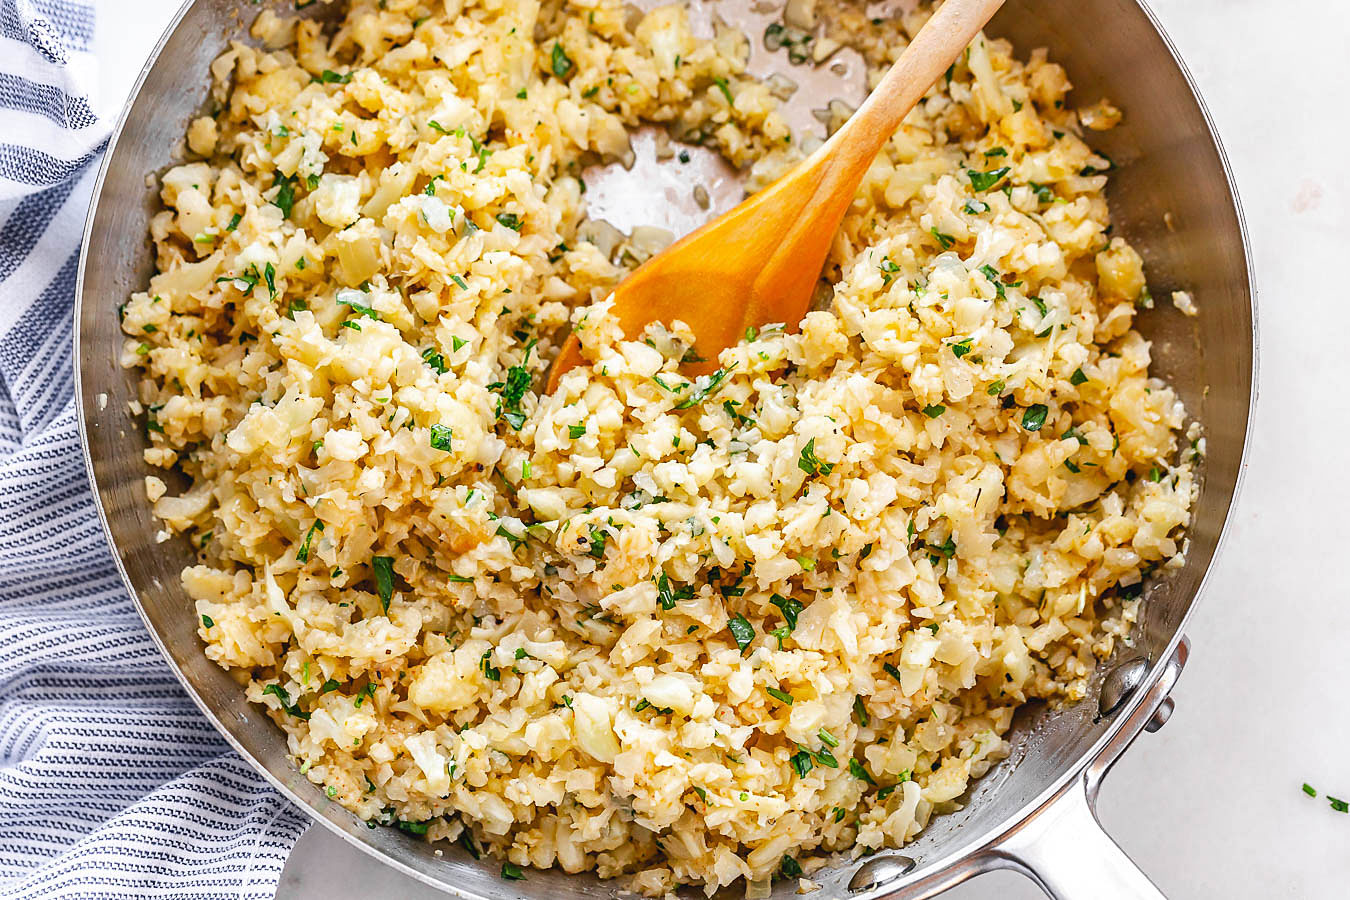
{"points": [[688, 632]]}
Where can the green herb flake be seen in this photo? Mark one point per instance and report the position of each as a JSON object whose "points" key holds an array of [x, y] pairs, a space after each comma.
{"points": [[510, 220], [440, 437], [934, 410], [790, 868], [827, 739], [962, 347], [725, 89], [280, 693], [562, 63], [490, 672], [1309, 790], [780, 696], [384, 578], [995, 388], [1034, 418], [208, 622], [1340, 806], [790, 607], [802, 763], [741, 630], [668, 596], [285, 198], [302, 554], [860, 712], [1078, 377], [856, 769], [432, 357], [983, 181], [575, 431], [511, 871], [946, 241], [710, 384], [328, 76], [810, 464]]}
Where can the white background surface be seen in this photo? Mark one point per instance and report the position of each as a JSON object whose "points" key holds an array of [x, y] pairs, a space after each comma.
{"points": [[1210, 806]]}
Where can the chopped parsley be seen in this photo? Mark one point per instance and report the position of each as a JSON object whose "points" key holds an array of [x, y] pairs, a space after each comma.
{"points": [[285, 198], [511, 871], [279, 692], [934, 410], [780, 696], [302, 554], [709, 386], [562, 63], [351, 298], [417, 828], [1078, 377], [598, 537], [234, 221], [366, 693], [328, 76], [860, 711], [945, 240], [856, 769], [490, 672], [888, 269], [790, 607], [668, 596], [810, 463], [513, 390], [983, 181], [975, 207], [961, 347], [1034, 417], [432, 357], [510, 220], [789, 867], [741, 630], [456, 342], [208, 622], [384, 578], [440, 437], [802, 763], [726, 91], [575, 431]]}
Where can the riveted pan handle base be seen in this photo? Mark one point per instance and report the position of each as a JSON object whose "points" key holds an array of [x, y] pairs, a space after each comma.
{"points": [[1066, 852]]}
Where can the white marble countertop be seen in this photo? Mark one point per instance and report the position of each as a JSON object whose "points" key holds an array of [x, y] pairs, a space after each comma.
{"points": [[1210, 806]]}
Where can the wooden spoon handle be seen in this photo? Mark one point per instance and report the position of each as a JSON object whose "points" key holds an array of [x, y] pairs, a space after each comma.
{"points": [[937, 45]]}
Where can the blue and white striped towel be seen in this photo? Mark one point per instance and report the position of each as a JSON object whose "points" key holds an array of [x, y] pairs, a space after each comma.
{"points": [[112, 785]]}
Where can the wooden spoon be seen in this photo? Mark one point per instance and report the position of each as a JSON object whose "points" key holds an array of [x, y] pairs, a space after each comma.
{"points": [[759, 263]]}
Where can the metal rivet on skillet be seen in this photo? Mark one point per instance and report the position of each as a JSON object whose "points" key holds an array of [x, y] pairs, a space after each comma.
{"points": [[878, 871], [1120, 683]]}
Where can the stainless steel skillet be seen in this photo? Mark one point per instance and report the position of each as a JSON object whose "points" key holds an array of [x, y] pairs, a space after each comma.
{"points": [[1172, 195]]}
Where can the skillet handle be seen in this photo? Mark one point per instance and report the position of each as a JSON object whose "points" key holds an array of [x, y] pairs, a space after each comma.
{"points": [[1066, 852], [1063, 848]]}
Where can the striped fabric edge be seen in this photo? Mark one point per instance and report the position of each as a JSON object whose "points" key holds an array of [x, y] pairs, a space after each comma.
{"points": [[112, 784]]}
